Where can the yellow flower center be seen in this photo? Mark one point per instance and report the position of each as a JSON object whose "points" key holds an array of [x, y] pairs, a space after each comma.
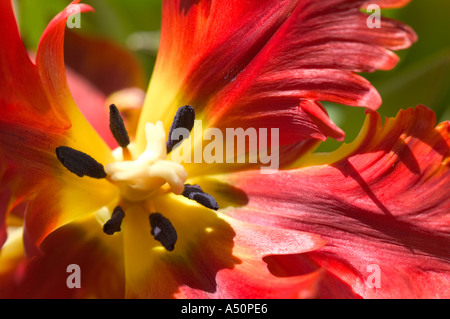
{"points": [[139, 178]]}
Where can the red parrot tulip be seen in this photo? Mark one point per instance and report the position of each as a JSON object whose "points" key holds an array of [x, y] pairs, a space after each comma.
{"points": [[367, 220]]}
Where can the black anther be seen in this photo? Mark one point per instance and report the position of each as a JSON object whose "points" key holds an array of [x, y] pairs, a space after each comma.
{"points": [[114, 223], [184, 118], [163, 231], [117, 126], [79, 163], [196, 193]]}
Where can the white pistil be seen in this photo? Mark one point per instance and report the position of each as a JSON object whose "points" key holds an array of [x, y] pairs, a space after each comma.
{"points": [[141, 178]]}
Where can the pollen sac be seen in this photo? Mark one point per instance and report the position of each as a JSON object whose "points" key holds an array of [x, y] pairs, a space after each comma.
{"points": [[163, 231], [79, 163], [117, 126], [113, 224], [184, 118], [196, 193]]}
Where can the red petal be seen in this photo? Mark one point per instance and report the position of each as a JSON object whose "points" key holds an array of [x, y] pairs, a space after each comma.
{"points": [[22, 80], [283, 114], [385, 202], [234, 58], [34, 95]]}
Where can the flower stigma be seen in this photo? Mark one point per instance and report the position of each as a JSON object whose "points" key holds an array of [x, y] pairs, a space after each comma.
{"points": [[142, 178]]}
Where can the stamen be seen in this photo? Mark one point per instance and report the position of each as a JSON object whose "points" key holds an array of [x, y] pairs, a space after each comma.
{"points": [[114, 223], [79, 163], [117, 126], [196, 193], [184, 118], [163, 231]]}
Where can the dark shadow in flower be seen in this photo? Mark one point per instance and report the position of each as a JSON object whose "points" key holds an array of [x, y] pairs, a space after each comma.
{"points": [[347, 169], [204, 248], [424, 130], [330, 286], [225, 194], [212, 253], [439, 144], [407, 157]]}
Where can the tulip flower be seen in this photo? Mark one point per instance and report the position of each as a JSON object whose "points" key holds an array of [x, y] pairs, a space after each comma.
{"points": [[80, 219]]}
